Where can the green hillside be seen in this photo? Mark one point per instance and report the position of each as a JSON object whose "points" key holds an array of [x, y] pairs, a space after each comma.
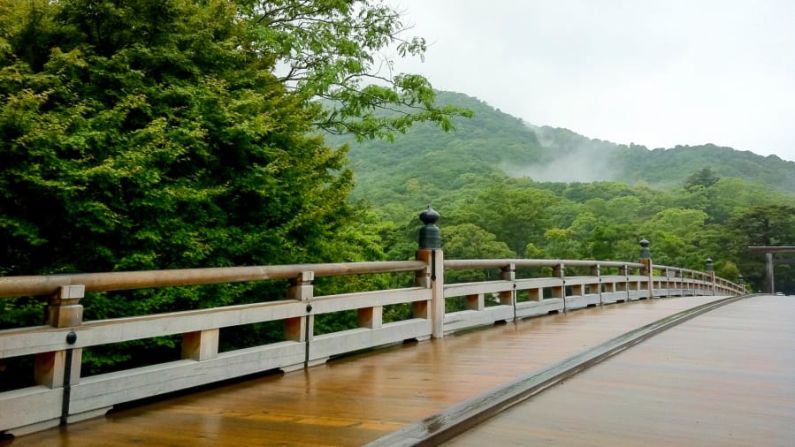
{"points": [[671, 166], [507, 188], [429, 160]]}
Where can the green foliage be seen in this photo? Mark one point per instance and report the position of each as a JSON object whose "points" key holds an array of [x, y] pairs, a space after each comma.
{"points": [[469, 241], [421, 166], [688, 215], [155, 134], [332, 50], [703, 178]]}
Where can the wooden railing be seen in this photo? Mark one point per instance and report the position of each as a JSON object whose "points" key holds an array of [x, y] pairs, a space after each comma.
{"points": [[61, 395]]}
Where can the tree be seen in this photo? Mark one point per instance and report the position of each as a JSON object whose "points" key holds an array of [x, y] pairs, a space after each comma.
{"points": [[328, 50], [704, 178], [561, 244], [161, 134], [146, 131], [469, 241], [766, 225], [152, 134]]}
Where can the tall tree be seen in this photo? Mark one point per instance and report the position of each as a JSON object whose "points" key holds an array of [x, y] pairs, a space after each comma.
{"points": [[704, 178], [165, 133], [151, 134]]}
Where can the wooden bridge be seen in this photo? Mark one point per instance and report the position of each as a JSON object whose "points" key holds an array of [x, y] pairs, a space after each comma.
{"points": [[333, 389]]}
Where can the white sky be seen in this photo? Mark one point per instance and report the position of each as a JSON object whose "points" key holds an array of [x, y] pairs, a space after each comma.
{"points": [[657, 73]]}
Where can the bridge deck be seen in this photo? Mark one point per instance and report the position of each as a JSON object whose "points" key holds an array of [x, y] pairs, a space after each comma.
{"points": [[725, 378], [357, 399]]}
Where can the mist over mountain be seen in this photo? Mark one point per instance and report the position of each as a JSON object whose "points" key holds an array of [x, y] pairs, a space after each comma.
{"points": [[496, 143], [575, 158]]}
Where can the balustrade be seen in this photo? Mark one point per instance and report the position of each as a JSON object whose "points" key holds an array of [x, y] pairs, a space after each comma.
{"points": [[61, 395]]}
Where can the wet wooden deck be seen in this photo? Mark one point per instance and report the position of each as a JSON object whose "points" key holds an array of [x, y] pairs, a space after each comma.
{"points": [[725, 378], [354, 400]]}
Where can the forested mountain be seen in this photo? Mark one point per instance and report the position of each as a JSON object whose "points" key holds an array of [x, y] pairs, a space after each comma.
{"points": [[508, 188], [495, 142]]}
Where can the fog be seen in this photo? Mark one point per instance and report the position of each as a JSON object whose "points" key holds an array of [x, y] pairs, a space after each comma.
{"points": [[572, 158], [581, 165], [659, 73]]}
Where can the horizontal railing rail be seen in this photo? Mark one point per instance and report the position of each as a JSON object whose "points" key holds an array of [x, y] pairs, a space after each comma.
{"points": [[111, 281], [461, 264], [61, 395]]}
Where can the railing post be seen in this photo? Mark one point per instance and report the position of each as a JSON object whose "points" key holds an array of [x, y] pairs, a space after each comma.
{"points": [[559, 271], [200, 345], [301, 329], [508, 273], [741, 282], [710, 268], [61, 369], [476, 302], [371, 317], [648, 267], [430, 252], [596, 270], [625, 272], [64, 310]]}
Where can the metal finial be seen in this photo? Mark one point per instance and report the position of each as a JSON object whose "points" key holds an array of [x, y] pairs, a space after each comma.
{"points": [[645, 253], [430, 235], [710, 265], [429, 216]]}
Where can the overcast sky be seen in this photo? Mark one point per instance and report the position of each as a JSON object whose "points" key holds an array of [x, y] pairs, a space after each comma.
{"points": [[657, 73]]}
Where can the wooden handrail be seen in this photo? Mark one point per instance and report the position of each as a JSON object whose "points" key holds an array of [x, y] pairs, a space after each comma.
{"points": [[38, 285], [13, 286], [461, 264]]}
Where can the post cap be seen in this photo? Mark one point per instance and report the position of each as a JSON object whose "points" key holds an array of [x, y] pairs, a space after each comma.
{"points": [[644, 249], [710, 265], [430, 237], [429, 216]]}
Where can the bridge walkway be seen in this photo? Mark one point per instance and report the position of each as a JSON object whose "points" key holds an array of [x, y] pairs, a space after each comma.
{"points": [[724, 378], [359, 398]]}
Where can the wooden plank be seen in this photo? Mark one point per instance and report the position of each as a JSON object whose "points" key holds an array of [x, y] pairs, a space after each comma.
{"points": [[27, 406], [578, 302], [613, 297], [324, 346], [614, 278], [453, 421], [350, 301], [456, 321], [472, 288], [722, 379], [110, 389], [536, 283], [92, 333], [538, 308], [581, 280]]}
